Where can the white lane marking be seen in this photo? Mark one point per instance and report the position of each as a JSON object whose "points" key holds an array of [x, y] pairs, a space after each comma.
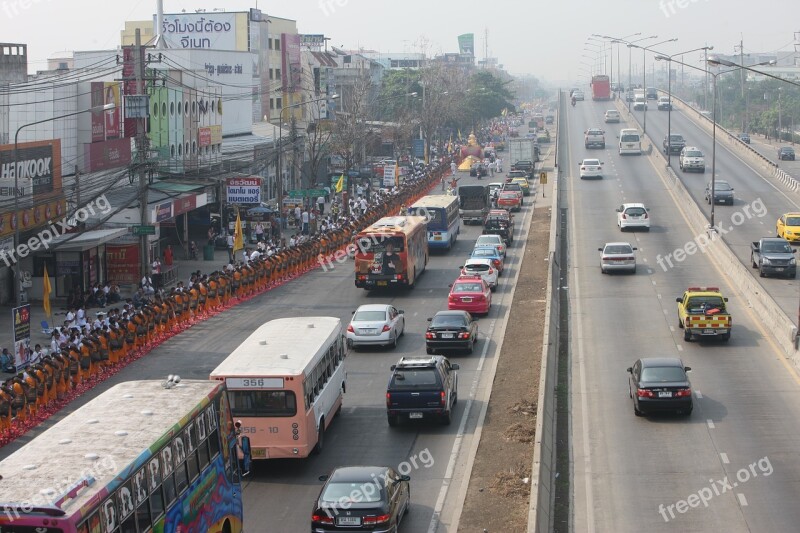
{"points": [[665, 311], [710, 424], [653, 282], [724, 458], [742, 499], [658, 296], [698, 394], [679, 347], [672, 329]]}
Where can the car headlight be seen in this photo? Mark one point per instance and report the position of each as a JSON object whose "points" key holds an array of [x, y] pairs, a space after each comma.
{"points": [[793, 261], [788, 232], [765, 261]]}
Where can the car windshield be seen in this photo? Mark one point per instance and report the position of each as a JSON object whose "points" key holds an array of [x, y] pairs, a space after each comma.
{"points": [[467, 287], [379, 243], [458, 321], [793, 221], [630, 138], [369, 316], [694, 153], [701, 304], [345, 492], [613, 249], [776, 248], [413, 378], [662, 374], [592, 162]]}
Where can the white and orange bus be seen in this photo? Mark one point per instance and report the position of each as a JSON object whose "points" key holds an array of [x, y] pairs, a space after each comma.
{"points": [[285, 383], [392, 252]]}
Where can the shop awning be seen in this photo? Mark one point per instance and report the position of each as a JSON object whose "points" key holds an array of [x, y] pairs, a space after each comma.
{"points": [[87, 240]]}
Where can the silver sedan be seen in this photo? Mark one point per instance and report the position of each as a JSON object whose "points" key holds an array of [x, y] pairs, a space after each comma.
{"points": [[376, 324]]}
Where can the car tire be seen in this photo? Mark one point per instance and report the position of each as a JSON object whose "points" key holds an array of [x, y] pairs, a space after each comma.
{"points": [[687, 335], [393, 344], [430, 351], [446, 419], [761, 273], [471, 348], [320, 438], [403, 331], [753, 261], [636, 411], [680, 324], [688, 412], [393, 420], [726, 337]]}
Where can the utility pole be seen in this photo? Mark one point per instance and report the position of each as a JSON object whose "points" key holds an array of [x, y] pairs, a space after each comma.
{"points": [[741, 62], [142, 146], [705, 85], [77, 187]]}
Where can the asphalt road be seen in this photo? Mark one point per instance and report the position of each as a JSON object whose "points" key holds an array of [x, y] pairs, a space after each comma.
{"points": [[758, 202], [279, 494], [747, 399]]}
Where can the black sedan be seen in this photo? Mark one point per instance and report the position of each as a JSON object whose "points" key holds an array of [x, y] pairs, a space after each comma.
{"points": [[786, 153], [361, 498], [451, 330], [660, 384]]}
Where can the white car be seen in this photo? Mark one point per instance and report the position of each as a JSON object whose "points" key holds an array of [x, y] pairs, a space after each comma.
{"points": [[616, 256], [376, 324], [578, 95], [612, 115], [633, 216], [591, 168], [494, 240], [483, 268], [692, 158]]}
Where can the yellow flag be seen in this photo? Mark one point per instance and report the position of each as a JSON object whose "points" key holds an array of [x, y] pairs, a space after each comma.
{"points": [[340, 184], [238, 239], [47, 290]]}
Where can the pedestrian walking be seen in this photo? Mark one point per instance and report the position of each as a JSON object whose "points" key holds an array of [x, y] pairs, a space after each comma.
{"points": [[321, 205], [305, 217], [452, 167], [259, 232], [230, 241]]}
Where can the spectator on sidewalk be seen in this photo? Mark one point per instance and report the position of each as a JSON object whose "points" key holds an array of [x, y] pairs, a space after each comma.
{"points": [[321, 205], [259, 232], [168, 255], [156, 266], [230, 242], [7, 362]]}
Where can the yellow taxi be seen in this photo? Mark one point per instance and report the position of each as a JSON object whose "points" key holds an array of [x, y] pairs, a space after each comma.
{"points": [[524, 185], [788, 227]]}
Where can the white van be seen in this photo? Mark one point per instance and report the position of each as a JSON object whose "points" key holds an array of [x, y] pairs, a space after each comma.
{"points": [[630, 142]]}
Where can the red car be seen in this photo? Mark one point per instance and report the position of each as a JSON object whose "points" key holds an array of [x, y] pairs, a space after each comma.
{"points": [[510, 201], [470, 293]]}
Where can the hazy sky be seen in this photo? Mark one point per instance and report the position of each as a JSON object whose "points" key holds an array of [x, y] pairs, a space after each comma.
{"points": [[545, 39]]}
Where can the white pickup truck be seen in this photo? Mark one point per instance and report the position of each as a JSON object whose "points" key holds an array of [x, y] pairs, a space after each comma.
{"points": [[594, 138]]}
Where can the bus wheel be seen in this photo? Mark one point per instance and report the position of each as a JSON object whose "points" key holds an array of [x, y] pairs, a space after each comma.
{"points": [[320, 438], [226, 527]]}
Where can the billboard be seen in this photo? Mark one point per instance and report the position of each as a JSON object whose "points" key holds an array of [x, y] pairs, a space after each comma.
{"points": [[111, 91], [130, 87], [21, 320], [122, 263], [290, 61], [107, 154], [38, 167], [210, 31], [312, 41], [243, 190], [466, 44], [98, 119]]}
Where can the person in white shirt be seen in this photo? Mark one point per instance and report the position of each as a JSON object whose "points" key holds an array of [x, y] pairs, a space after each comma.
{"points": [[156, 266], [70, 318], [321, 204], [255, 255], [363, 206], [305, 217], [80, 317]]}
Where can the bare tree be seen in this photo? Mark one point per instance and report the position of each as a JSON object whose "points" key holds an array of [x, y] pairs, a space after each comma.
{"points": [[350, 131], [441, 85], [318, 137]]}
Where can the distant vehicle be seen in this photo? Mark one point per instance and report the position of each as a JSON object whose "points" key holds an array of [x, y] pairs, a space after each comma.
{"points": [[630, 96], [601, 87], [490, 252], [381, 509], [482, 268], [422, 387], [488, 239], [639, 102], [658, 384], [786, 153], [633, 215], [594, 138], [612, 115], [376, 324], [474, 203], [630, 142], [549, 119], [674, 144], [652, 93], [578, 95], [723, 192], [744, 137], [773, 256], [501, 225], [616, 256], [451, 330], [702, 313], [394, 254], [470, 294], [664, 104], [788, 227], [444, 221], [692, 158], [591, 168]]}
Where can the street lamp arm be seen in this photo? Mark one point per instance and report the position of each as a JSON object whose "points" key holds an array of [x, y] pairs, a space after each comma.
{"points": [[106, 107]]}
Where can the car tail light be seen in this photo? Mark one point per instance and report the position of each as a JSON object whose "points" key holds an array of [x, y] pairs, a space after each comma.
{"points": [[644, 393], [442, 398], [624, 216], [351, 329], [496, 262], [479, 297], [583, 168], [646, 215], [451, 298], [683, 393], [373, 520], [386, 328], [388, 399], [491, 271], [322, 518], [463, 335], [399, 277], [429, 335]]}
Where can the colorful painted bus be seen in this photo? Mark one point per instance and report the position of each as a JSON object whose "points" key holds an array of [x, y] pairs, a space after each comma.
{"points": [[392, 252], [444, 222], [285, 383], [144, 456]]}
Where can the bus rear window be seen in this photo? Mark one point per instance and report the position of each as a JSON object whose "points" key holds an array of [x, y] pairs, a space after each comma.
{"points": [[379, 244], [432, 216], [263, 403]]}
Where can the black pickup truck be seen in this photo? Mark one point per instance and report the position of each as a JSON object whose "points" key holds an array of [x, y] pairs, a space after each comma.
{"points": [[422, 387]]}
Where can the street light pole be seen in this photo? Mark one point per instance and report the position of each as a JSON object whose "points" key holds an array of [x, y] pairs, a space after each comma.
{"points": [[644, 77], [17, 169], [631, 45]]}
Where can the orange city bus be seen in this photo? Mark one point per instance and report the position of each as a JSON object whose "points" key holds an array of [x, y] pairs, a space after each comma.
{"points": [[142, 457], [393, 252], [285, 384]]}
